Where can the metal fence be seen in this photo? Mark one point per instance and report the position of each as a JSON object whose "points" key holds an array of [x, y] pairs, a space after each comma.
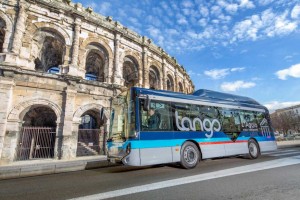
{"points": [[90, 142], [36, 143]]}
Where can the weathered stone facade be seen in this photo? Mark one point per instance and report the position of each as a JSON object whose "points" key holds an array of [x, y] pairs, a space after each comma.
{"points": [[95, 58]]}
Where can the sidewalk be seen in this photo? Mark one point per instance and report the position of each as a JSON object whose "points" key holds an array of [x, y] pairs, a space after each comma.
{"points": [[48, 166]]}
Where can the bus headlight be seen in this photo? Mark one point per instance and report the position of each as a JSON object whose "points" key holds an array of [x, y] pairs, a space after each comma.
{"points": [[128, 148]]}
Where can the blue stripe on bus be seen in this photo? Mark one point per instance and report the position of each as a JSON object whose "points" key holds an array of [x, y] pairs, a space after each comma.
{"points": [[139, 144]]}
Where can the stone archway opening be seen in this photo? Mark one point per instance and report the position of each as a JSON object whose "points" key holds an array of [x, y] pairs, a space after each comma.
{"points": [[170, 83], [96, 62], [48, 50], [91, 134], [2, 34], [130, 72], [154, 78], [37, 138]]}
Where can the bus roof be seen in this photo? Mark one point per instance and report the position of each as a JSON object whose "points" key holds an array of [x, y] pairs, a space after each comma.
{"points": [[205, 96]]}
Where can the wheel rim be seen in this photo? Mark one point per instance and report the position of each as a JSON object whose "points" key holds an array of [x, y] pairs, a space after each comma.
{"points": [[190, 155], [253, 149]]}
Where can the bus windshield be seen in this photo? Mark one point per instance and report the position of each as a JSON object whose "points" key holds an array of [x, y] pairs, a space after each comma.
{"points": [[122, 115]]}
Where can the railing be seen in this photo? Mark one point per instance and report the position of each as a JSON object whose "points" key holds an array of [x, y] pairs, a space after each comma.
{"points": [[36, 143], [91, 142]]}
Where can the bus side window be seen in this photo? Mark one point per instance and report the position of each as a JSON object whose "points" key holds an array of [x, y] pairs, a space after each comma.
{"points": [[249, 121], [183, 110], [231, 123]]}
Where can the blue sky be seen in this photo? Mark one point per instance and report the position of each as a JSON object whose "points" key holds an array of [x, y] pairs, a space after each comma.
{"points": [[243, 47]]}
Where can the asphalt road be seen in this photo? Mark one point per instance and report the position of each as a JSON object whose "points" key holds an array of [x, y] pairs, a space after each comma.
{"points": [[273, 176]]}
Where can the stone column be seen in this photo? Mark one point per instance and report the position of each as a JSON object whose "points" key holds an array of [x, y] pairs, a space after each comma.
{"points": [[7, 36], [73, 67], [176, 81], [117, 74], [75, 45], [7, 141], [145, 67], [19, 28], [164, 80], [69, 137]]}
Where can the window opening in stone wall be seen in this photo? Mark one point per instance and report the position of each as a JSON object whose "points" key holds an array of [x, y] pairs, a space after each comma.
{"points": [[38, 134], [51, 55], [170, 83], [180, 87], [91, 134], [94, 66], [154, 79], [130, 73], [2, 34]]}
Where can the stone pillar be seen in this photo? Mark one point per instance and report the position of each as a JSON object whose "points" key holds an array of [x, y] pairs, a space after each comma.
{"points": [[164, 80], [7, 141], [69, 137], [75, 45], [19, 28], [176, 81], [73, 68], [145, 67], [7, 36], [117, 74]]}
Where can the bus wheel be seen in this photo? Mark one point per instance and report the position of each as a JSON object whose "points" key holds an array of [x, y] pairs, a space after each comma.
{"points": [[189, 156], [253, 148]]}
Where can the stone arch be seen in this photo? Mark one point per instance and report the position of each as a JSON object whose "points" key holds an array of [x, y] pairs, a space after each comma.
{"points": [[49, 26], [8, 31], [170, 80], [19, 111], [136, 58], [97, 40], [155, 77], [102, 46], [80, 111], [180, 87], [130, 71], [93, 52]]}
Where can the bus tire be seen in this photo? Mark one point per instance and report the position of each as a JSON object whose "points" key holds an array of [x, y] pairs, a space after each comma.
{"points": [[189, 155], [253, 148]]}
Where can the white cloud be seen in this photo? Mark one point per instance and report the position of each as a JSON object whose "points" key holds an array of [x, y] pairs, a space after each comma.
{"points": [[221, 73], [237, 69], [265, 2], [234, 86], [295, 14], [274, 105], [268, 24], [246, 4], [293, 71], [217, 73]]}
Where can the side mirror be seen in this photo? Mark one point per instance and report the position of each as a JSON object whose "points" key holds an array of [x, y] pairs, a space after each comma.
{"points": [[102, 113], [147, 102]]}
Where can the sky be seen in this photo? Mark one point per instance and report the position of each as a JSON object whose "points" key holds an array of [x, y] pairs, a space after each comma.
{"points": [[243, 47]]}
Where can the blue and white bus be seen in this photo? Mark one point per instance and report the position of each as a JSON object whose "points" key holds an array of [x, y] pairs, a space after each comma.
{"points": [[149, 127]]}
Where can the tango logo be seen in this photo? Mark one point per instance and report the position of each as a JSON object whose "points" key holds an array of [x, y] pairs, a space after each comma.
{"points": [[187, 124]]}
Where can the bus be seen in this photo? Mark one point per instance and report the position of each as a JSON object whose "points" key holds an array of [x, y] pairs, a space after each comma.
{"points": [[149, 127]]}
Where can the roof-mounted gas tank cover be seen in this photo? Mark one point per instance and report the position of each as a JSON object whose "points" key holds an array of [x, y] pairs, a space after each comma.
{"points": [[214, 95]]}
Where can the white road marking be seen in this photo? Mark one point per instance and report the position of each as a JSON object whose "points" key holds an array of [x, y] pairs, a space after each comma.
{"points": [[284, 154], [280, 151], [196, 178]]}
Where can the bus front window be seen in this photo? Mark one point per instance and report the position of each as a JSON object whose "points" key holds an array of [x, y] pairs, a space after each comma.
{"points": [[122, 118]]}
